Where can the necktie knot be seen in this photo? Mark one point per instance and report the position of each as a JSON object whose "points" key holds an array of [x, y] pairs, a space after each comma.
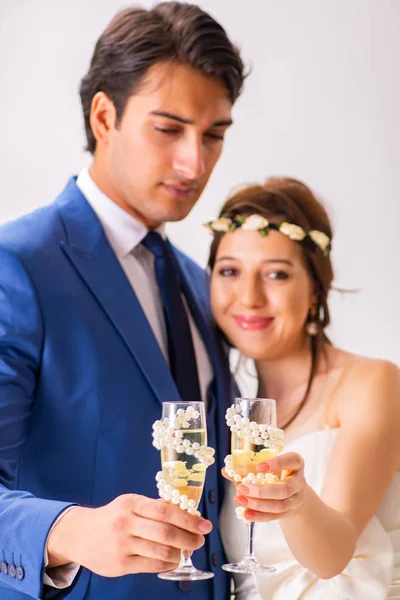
{"points": [[155, 244]]}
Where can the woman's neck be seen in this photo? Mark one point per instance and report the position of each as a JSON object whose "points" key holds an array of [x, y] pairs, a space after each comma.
{"points": [[281, 376]]}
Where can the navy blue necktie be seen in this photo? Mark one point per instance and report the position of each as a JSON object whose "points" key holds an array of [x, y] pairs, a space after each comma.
{"points": [[180, 344]]}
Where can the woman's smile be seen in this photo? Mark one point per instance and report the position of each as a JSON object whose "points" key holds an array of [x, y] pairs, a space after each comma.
{"points": [[253, 323]]}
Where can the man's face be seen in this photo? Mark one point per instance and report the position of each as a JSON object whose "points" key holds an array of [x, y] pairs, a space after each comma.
{"points": [[157, 161]]}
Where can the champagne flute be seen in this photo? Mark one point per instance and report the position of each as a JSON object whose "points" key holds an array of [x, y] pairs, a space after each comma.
{"points": [[181, 436], [255, 438]]}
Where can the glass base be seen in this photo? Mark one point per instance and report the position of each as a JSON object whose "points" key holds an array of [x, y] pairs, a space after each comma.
{"points": [[249, 566], [185, 574]]}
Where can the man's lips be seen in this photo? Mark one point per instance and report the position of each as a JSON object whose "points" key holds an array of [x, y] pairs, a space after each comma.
{"points": [[253, 323], [177, 189]]}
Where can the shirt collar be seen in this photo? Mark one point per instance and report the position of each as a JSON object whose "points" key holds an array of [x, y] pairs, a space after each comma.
{"points": [[123, 231]]}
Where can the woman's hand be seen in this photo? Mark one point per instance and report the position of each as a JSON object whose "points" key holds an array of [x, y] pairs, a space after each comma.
{"points": [[272, 501]]}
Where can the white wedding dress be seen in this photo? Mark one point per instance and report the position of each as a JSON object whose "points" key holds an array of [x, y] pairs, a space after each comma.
{"points": [[372, 574]]}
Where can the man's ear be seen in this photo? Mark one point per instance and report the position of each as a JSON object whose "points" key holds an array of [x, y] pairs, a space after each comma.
{"points": [[102, 117]]}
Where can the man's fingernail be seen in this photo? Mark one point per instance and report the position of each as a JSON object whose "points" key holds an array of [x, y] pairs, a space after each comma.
{"points": [[205, 527], [264, 467], [249, 514], [243, 489]]}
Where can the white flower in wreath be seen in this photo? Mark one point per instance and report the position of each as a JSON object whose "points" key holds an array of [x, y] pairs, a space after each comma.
{"points": [[255, 223], [221, 225], [320, 239], [294, 232]]}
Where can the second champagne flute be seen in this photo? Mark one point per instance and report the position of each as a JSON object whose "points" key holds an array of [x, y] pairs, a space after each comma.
{"points": [[181, 436], [255, 438]]}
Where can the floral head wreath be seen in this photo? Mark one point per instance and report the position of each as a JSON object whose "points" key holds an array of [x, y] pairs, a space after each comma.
{"points": [[259, 223]]}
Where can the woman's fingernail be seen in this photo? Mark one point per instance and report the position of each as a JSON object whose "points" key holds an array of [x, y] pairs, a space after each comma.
{"points": [[264, 467], [249, 514], [243, 489], [241, 500]]}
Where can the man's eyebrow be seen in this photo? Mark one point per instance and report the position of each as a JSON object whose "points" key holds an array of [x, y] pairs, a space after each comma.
{"points": [[168, 115]]}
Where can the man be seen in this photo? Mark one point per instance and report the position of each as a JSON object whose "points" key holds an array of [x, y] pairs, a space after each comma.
{"points": [[89, 343]]}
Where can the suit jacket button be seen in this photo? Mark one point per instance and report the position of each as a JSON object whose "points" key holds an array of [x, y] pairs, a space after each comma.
{"points": [[185, 586], [4, 567], [20, 573], [214, 559], [212, 496], [12, 570]]}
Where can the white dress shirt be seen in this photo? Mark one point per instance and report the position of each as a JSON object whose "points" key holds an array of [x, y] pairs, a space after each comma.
{"points": [[124, 234]]}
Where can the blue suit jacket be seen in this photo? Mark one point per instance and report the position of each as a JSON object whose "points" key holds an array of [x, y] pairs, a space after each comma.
{"points": [[81, 383]]}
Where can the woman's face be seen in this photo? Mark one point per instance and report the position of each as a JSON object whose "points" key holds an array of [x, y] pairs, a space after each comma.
{"points": [[261, 293]]}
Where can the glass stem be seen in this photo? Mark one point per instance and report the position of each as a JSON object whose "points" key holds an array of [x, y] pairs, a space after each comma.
{"points": [[249, 544], [186, 561]]}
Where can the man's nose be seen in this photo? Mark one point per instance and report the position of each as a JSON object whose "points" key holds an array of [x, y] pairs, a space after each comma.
{"points": [[189, 160]]}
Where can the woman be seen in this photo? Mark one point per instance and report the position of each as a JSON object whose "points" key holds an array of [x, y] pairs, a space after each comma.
{"points": [[331, 528]]}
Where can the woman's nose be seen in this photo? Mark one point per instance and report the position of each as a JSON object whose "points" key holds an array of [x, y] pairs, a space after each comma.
{"points": [[251, 293]]}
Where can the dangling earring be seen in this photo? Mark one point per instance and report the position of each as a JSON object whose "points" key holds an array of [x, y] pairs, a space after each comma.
{"points": [[312, 326]]}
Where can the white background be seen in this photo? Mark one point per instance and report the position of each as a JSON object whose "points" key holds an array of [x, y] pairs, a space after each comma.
{"points": [[322, 104]]}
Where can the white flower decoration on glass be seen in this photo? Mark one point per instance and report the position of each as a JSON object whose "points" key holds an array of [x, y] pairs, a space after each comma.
{"points": [[167, 433], [252, 432], [294, 232], [255, 223], [171, 494], [271, 438]]}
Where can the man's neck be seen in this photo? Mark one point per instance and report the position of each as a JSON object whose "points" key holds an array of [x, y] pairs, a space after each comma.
{"points": [[99, 174]]}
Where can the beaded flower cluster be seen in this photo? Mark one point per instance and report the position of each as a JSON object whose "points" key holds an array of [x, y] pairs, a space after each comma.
{"points": [[171, 494], [167, 433], [252, 432], [260, 479], [259, 223], [251, 478]]}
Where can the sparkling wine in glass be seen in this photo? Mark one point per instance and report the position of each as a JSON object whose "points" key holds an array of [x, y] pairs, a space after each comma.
{"points": [[255, 438], [181, 436]]}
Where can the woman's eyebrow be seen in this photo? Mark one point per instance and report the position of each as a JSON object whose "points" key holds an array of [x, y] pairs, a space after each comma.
{"points": [[284, 261]]}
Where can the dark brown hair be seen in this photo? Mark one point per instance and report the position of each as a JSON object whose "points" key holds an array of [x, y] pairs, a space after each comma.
{"points": [[136, 39], [284, 199]]}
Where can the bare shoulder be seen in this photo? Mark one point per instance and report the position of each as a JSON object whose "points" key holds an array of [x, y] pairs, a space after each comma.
{"points": [[370, 386], [371, 371]]}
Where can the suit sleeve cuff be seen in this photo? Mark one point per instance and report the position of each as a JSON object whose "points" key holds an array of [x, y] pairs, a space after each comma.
{"points": [[63, 576]]}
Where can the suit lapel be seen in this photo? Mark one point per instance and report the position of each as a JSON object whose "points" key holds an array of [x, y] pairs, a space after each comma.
{"points": [[90, 253]]}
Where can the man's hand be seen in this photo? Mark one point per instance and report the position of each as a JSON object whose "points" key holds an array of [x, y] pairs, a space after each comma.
{"points": [[132, 534]]}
